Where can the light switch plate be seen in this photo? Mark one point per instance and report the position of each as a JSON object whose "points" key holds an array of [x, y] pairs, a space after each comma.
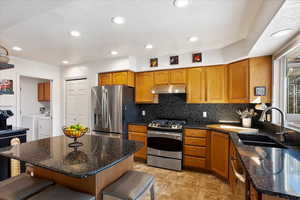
{"points": [[205, 114]]}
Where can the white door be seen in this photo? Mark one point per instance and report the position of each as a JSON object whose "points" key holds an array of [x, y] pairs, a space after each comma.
{"points": [[77, 102]]}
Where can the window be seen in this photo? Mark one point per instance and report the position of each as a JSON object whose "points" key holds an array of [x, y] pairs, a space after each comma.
{"points": [[286, 87]]}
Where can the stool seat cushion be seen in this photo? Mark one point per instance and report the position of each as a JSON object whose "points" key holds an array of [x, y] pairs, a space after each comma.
{"points": [[21, 187], [130, 186], [58, 192]]}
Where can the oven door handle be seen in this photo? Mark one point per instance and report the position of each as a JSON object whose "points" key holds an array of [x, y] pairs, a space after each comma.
{"points": [[164, 135], [236, 173], [13, 136]]}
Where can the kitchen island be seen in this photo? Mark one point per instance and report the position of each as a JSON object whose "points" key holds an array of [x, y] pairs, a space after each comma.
{"points": [[89, 168]]}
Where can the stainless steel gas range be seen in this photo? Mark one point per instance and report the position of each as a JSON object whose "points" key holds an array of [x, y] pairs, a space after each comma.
{"points": [[165, 144]]}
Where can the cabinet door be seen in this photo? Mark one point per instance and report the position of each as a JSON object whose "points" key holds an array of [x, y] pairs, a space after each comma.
{"points": [[143, 88], [216, 81], [260, 75], [105, 79], [119, 78], [196, 85], [40, 91], [142, 138], [44, 128], [47, 91], [238, 74], [178, 76], [161, 77], [220, 153]]}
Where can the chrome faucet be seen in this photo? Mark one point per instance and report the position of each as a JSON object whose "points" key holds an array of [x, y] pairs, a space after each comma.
{"points": [[282, 132]]}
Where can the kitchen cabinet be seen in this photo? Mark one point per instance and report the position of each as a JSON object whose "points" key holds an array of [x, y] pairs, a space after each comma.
{"points": [[177, 76], [139, 133], [207, 84], [117, 78], [164, 77], [219, 153], [144, 87], [196, 85], [216, 84], [247, 74], [44, 91], [105, 79], [195, 149], [161, 77]]}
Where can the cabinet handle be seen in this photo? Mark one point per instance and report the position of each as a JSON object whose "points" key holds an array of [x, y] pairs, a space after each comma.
{"points": [[238, 175]]}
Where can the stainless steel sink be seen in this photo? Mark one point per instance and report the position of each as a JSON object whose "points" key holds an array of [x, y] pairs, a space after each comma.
{"points": [[259, 140]]}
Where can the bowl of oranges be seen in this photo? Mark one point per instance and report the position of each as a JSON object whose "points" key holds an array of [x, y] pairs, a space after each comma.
{"points": [[75, 132]]}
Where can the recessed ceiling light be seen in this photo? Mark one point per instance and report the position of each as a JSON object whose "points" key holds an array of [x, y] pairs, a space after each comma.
{"points": [[16, 48], [193, 39], [75, 33], [118, 20], [181, 3], [281, 32], [149, 46], [114, 53], [65, 62]]}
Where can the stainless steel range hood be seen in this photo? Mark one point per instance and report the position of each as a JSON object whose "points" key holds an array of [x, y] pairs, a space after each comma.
{"points": [[168, 89]]}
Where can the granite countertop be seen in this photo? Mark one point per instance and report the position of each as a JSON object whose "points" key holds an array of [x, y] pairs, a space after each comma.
{"points": [[273, 171], [13, 130], [96, 154]]}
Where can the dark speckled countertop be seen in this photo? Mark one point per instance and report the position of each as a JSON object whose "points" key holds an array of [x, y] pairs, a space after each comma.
{"points": [[96, 154], [273, 171]]}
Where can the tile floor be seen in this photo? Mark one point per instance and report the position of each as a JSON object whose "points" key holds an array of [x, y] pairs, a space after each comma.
{"points": [[186, 185]]}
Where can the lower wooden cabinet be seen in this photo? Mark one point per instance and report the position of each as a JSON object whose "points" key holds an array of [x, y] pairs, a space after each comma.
{"points": [[220, 153], [139, 133], [194, 162], [195, 149]]}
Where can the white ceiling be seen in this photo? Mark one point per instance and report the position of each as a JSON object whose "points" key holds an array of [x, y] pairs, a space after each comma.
{"points": [[288, 17], [42, 28]]}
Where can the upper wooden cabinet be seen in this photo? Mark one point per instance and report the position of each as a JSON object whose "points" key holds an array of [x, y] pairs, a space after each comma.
{"points": [[105, 79], [244, 76], [196, 85], [207, 84], [219, 153], [216, 84], [144, 86], [117, 78], [177, 76], [161, 77], [44, 91]]}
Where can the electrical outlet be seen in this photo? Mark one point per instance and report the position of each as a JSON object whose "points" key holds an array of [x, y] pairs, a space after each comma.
{"points": [[143, 113], [204, 114]]}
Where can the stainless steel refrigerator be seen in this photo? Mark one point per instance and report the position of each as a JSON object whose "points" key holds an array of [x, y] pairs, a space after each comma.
{"points": [[112, 108]]}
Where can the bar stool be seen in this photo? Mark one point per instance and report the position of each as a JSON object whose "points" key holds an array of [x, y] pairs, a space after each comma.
{"points": [[21, 187], [131, 186], [58, 192]]}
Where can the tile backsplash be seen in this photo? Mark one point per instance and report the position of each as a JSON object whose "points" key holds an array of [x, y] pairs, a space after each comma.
{"points": [[174, 106]]}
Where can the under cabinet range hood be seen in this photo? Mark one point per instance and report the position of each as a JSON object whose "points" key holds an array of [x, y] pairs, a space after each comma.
{"points": [[168, 89]]}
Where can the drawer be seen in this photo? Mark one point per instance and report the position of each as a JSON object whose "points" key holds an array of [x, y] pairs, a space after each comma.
{"points": [[137, 128], [195, 141], [195, 133], [195, 151], [190, 161]]}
